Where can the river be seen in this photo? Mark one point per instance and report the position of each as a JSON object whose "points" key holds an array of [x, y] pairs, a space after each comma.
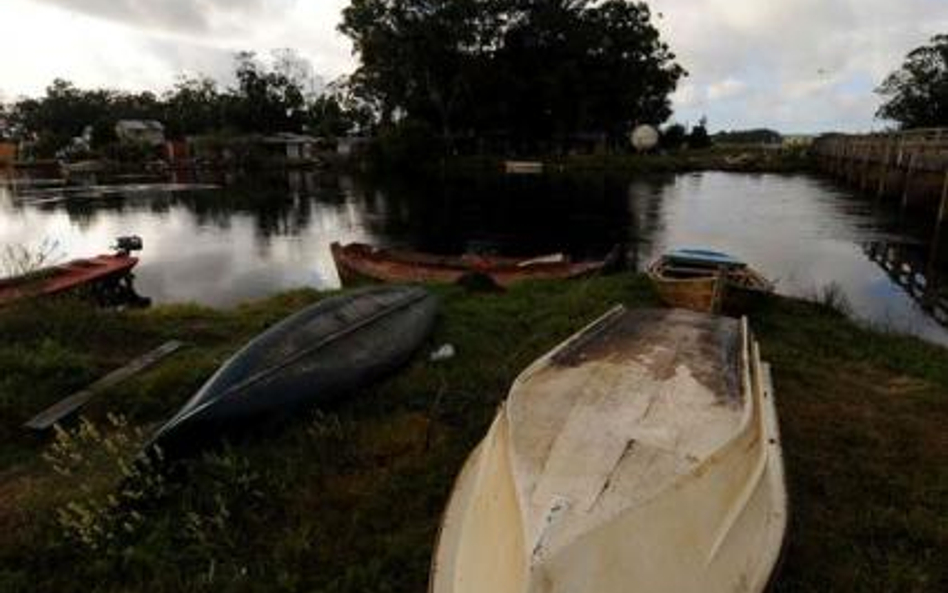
{"points": [[237, 237]]}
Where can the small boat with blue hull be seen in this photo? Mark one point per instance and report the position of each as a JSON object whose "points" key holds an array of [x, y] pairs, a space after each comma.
{"points": [[708, 281], [315, 356]]}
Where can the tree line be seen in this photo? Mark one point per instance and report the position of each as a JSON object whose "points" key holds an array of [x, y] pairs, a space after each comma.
{"points": [[281, 95]]}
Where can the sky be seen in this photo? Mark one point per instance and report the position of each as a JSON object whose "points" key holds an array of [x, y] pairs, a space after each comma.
{"points": [[799, 66]]}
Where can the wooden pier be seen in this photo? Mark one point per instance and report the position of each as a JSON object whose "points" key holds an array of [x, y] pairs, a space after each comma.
{"points": [[909, 166]]}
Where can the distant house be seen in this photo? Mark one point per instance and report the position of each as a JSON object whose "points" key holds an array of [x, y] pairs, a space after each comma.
{"points": [[292, 147], [140, 131]]}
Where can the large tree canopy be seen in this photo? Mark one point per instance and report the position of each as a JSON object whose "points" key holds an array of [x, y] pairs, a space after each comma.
{"points": [[528, 68], [917, 93]]}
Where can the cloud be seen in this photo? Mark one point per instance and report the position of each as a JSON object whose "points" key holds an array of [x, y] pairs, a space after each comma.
{"points": [[189, 16], [137, 45], [726, 89], [796, 59]]}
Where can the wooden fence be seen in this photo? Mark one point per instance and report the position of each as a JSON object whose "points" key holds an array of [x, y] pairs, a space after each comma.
{"points": [[911, 166]]}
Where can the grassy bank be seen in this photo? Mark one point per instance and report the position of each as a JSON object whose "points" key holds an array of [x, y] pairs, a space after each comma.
{"points": [[348, 499]]}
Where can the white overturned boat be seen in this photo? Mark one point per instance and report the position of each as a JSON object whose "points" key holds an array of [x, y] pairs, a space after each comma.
{"points": [[641, 456]]}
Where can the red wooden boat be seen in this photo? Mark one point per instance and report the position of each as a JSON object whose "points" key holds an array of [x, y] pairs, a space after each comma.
{"points": [[358, 262], [79, 273]]}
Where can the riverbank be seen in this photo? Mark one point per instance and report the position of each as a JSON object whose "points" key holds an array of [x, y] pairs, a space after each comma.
{"points": [[737, 159], [349, 499]]}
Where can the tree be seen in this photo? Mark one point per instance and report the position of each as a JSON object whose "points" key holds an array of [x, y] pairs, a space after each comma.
{"points": [[755, 136], [338, 111], [193, 106], [62, 114], [917, 94], [532, 69], [673, 137], [6, 126], [699, 137], [265, 100]]}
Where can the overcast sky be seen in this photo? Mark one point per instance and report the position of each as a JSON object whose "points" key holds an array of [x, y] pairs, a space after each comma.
{"points": [[794, 65]]}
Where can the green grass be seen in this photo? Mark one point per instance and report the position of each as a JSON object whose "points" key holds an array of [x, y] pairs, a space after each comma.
{"points": [[348, 498]]}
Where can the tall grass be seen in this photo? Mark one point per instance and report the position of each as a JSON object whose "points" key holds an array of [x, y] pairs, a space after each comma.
{"points": [[21, 260]]}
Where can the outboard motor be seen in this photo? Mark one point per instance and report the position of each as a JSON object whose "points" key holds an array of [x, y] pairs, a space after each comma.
{"points": [[126, 245]]}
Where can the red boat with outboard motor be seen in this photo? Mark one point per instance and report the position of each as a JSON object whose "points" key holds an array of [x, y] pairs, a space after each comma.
{"points": [[100, 275]]}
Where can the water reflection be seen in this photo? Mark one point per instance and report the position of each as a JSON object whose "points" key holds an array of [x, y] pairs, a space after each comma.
{"points": [[258, 234], [914, 269]]}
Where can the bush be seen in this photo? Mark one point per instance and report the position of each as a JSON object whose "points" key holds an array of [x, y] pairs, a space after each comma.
{"points": [[409, 144]]}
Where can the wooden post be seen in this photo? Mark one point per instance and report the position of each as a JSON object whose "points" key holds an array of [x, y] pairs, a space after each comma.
{"points": [[884, 174], [943, 208], [908, 180], [851, 164], [864, 182]]}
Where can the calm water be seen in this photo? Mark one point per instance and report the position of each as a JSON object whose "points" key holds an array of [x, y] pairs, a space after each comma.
{"points": [[232, 239]]}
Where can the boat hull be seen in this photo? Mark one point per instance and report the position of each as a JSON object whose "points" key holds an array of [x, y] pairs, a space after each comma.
{"points": [[358, 263], [735, 290], [704, 294], [625, 465], [71, 276], [314, 357]]}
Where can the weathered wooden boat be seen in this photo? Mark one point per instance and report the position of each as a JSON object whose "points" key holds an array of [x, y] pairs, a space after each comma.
{"points": [[358, 262], [709, 281], [641, 456], [315, 356], [74, 275]]}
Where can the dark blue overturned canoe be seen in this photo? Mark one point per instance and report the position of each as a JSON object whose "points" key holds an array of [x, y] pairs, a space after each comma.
{"points": [[312, 357]]}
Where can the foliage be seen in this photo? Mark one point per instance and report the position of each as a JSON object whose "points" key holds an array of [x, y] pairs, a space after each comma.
{"points": [[98, 514], [917, 94], [534, 70], [340, 111], [673, 137], [756, 136], [193, 106], [19, 260], [265, 100], [699, 138], [412, 145], [65, 111], [6, 126]]}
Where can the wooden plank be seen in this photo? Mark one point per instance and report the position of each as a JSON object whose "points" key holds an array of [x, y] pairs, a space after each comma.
{"points": [[50, 416], [906, 187], [943, 208], [884, 176]]}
